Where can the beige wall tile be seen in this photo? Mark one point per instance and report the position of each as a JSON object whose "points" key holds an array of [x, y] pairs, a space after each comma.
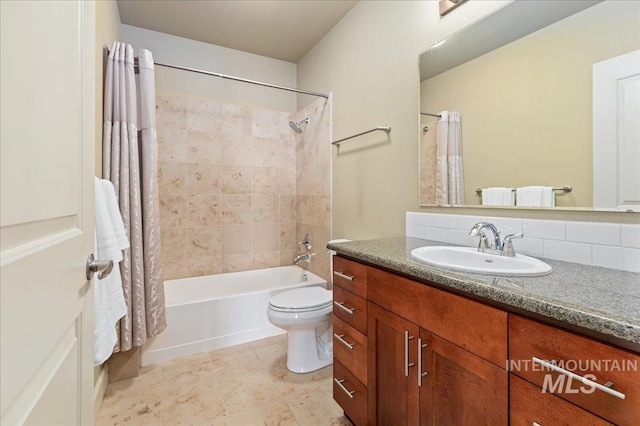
{"points": [[270, 124], [287, 181], [172, 144], [265, 180], [322, 179], [235, 209], [203, 147], [287, 256], [322, 210], [287, 152], [265, 209], [236, 150], [203, 178], [200, 266], [172, 177], [288, 236], [174, 243], [236, 239], [171, 111], [236, 179], [265, 238], [236, 119], [265, 152], [305, 179], [304, 207], [173, 210], [203, 210], [265, 259], [174, 268], [204, 241], [287, 209], [204, 115], [236, 263]]}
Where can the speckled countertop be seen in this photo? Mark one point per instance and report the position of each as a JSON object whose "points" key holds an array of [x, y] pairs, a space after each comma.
{"points": [[600, 299]]}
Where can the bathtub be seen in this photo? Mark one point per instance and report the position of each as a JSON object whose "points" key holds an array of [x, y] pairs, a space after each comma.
{"points": [[216, 311]]}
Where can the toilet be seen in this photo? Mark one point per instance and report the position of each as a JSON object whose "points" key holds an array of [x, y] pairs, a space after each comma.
{"points": [[305, 313]]}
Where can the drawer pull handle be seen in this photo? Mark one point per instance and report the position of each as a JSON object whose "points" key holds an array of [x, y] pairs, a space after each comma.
{"points": [[345, 390], [536, 424], [340, 305], [585, 381], [344, 342], [406, 353], [421, 373], [343, 275]]}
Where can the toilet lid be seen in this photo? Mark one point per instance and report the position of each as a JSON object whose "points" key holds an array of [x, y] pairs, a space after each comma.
{"points": [[302, 298]]}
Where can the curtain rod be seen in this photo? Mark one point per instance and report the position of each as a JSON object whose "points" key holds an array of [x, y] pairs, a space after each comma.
{"points": [[431, 115], [243, 80]]}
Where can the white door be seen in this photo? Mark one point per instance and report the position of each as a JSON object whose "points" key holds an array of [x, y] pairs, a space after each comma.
{"points": [[616, 133], [47, 142]]}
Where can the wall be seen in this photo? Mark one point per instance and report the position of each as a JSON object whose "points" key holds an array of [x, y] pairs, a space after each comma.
{"points": [[531, 102], [204, 56], [313, 182], [369, 60], [107, 31]]}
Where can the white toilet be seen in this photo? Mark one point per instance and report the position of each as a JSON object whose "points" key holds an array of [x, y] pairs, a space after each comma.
{"points": [[305, 313]]}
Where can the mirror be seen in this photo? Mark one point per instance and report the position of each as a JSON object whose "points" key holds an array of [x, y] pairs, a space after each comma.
{"points": [[521, 80]]}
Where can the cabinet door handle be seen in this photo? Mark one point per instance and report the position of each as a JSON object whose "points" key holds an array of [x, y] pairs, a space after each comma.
{"points": [[584, 380], [421, 373], [406, 353], [536, 424], [343, 275], [344, 342], [344, 389], [344, 308]]}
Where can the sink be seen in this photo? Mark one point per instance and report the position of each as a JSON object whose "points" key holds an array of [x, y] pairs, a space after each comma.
{"points": [[466, 259]]}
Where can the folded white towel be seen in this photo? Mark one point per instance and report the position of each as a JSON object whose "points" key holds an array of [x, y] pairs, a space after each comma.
{"points": [[535, 196], [498, 196], [111, 239]]}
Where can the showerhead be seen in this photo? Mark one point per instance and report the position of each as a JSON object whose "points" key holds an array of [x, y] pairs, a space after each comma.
{"points": [[296, 127]]}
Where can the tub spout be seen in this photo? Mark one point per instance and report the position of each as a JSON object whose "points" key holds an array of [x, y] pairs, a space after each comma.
{"points": [[303, 257]]}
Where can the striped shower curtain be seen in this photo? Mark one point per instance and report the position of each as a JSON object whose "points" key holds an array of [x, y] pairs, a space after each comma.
{"points": [[449, 174], [130, 162]]}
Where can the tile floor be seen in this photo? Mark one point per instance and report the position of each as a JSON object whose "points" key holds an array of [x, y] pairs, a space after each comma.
{"points": [[243, 385]]}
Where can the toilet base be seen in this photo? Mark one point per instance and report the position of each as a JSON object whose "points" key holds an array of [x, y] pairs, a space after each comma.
{"points": [[309, 350]]}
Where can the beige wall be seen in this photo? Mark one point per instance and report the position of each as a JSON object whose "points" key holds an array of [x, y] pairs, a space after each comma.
{"points": [[530, 102], [195, 54], [107, 31], [369, 61]]}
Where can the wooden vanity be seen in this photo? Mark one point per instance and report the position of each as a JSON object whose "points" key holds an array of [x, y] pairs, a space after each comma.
{"points": [[407, 352]]}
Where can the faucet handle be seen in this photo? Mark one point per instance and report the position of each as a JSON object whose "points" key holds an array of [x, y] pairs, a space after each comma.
{"points": [[507, 247], [483, 244]]}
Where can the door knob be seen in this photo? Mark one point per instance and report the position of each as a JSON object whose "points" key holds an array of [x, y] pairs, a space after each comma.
{"points": [[103, 267]]}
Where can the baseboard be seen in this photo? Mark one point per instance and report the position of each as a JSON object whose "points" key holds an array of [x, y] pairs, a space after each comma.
{"points": [[99, 390]]}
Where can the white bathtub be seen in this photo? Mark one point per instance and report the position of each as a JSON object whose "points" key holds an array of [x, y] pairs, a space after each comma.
{"points": [[216, 311]]}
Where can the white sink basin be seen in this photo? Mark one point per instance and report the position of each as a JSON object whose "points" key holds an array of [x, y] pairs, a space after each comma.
{"points": [[466, 259]]}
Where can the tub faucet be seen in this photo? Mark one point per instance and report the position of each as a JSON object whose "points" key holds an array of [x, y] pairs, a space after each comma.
{"points": [[477, 231], [302, 257]]}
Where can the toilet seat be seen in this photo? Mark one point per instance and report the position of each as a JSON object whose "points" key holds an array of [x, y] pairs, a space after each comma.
{"points": [[304, 299]]}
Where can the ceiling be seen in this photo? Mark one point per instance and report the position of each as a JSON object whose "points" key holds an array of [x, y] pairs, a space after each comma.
{"points": [[284, 30]]}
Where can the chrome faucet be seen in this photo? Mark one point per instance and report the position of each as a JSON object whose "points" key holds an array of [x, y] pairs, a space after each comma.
{"points": [[302, 257], [477, 231]]}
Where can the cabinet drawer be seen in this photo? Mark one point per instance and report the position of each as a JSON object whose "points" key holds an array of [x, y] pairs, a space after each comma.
{"points": [[350, 275], [529, 406], [474, 326], [531, 344], [350, 348], [350, 394], [350, 308]]}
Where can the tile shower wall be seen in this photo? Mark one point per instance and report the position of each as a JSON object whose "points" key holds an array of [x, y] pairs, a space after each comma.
{"points": [[610, 245], [313, 182], [227, 180]]}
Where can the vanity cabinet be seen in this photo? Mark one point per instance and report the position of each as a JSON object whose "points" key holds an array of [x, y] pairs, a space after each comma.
{"points": [[410, 353]]}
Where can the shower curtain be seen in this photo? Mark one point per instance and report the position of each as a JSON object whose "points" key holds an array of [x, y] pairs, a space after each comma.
{"points": [[130, 162], [449, 175]]}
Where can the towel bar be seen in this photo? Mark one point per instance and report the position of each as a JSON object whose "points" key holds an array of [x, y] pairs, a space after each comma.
{"points": [[566, 189]]}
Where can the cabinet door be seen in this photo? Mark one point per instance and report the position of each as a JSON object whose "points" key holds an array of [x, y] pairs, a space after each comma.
{"points": [[460, 388], [392, 380]]}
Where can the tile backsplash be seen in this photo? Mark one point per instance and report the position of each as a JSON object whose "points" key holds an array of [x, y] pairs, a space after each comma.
{"points": [[610, 245]]}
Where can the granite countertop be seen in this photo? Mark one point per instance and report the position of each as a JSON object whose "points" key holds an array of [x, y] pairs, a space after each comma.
{"points": [[604, 300]]}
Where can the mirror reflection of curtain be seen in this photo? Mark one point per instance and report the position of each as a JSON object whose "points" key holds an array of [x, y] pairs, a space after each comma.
{"points": [[427, 151], [449, 174]]}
